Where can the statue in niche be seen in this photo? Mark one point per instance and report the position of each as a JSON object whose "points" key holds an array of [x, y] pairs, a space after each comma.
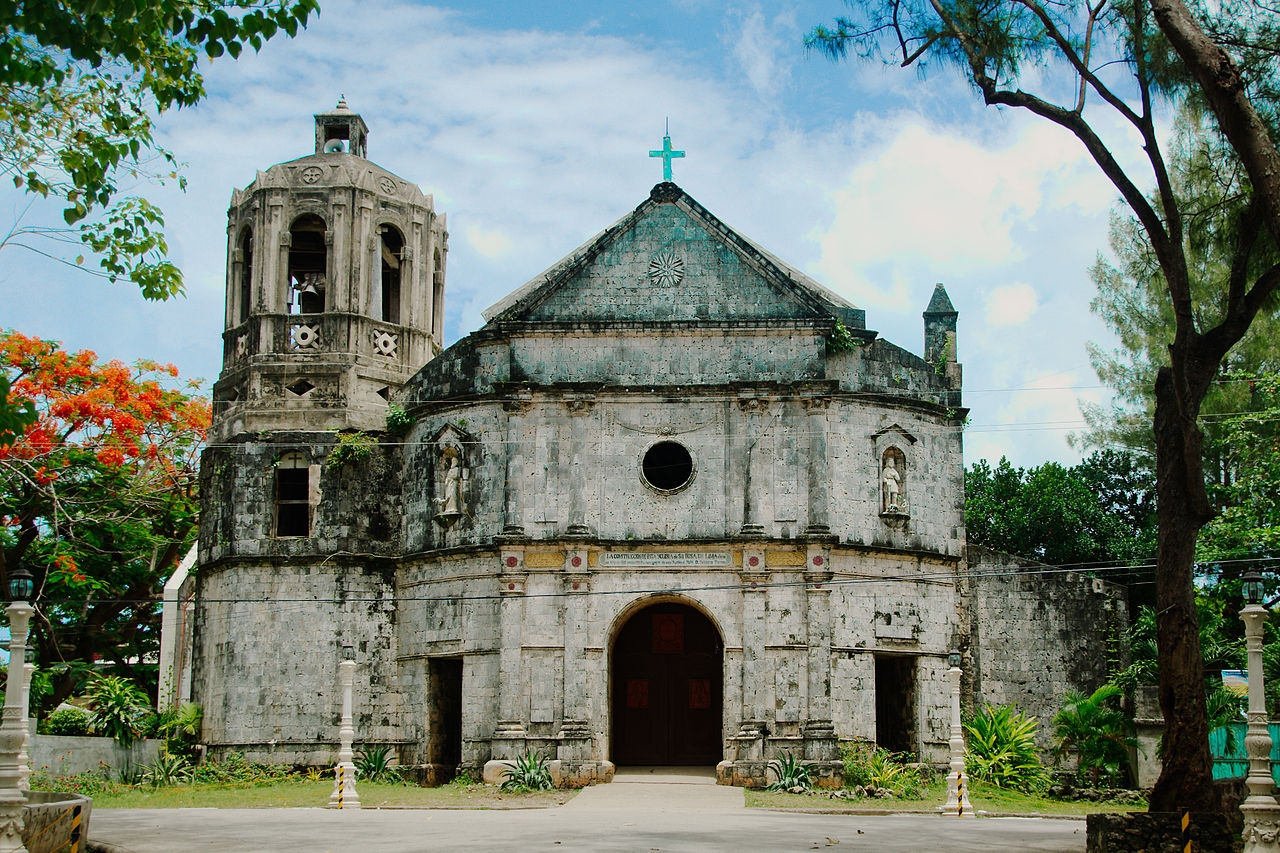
{"points": [[451, 503], [893, 501]]}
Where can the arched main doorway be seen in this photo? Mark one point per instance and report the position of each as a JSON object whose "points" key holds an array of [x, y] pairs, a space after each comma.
{"points": [[667, 686]]}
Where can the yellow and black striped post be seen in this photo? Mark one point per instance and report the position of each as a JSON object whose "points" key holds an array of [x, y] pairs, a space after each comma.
{"points": [[959, 795], [75, 830], [338, 770], [1186, 832]]}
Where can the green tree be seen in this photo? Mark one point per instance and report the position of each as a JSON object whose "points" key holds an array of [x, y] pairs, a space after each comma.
{"points": [[1247, 530], [97, 501], [1068, 63], [1133, 301], [82, 85], [1094, 515]]}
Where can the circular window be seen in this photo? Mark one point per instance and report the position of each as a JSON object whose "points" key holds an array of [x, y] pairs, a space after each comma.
{"points": [[667, 466]]}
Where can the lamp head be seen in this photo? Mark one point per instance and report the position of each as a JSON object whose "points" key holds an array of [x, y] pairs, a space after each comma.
{"points": [[21, 586], [348, 651], [1251, 587], [953, 658]]}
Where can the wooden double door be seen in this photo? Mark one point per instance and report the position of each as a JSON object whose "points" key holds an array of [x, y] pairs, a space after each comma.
{"points": [[668, 684]]}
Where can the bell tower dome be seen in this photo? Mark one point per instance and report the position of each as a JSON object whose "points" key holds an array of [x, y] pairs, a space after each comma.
{"points": [[335, 289]]}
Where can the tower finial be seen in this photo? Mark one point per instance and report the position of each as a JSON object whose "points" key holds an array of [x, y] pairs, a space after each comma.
{"points": [[342, 102]]}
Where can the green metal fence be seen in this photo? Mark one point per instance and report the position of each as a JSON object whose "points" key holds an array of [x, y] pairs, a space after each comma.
{"points": [[1234, 763]]}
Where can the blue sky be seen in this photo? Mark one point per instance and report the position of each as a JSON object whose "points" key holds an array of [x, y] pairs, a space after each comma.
{"points": [[531, 123]]}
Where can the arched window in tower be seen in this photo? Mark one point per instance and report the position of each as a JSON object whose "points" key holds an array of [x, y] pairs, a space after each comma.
{"points": [[246, 272], [392, 250], [308, 265], [437, 296], [293, 495]]}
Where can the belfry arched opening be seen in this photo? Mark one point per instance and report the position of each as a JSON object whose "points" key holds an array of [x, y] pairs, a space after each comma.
{"points": [[667, 688]]}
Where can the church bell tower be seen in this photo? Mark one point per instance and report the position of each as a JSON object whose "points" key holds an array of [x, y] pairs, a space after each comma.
{"points": [[335, 289]]}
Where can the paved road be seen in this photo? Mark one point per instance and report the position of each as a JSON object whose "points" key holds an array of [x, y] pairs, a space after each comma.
{"points": [[645, 814]]}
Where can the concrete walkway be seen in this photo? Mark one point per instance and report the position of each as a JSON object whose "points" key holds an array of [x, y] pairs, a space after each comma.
{"points": [[663, 811], [661, 789]]}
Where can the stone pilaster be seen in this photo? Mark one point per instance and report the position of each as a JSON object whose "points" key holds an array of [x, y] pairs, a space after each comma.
{"points": [[819, 475], [580, 407], [512, 491], [752, 496], [509, 736], [575, 731], [747, 765], [821, 746]]}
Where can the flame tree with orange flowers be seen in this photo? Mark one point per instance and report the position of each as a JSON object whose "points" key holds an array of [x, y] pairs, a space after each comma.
{"points": [[97, 500]]}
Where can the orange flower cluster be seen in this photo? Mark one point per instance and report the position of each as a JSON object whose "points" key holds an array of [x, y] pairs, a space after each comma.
{"points": [[122, 414]]}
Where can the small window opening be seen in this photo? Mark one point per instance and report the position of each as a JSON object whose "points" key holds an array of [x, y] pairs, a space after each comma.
{"points": [[308, 265], [246, 272], [293, 495], [392, 251], [667, 466], [437, 297]]}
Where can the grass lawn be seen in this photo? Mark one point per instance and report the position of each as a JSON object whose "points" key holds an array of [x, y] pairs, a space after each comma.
{"points": [[302, 793], [984, 797]]}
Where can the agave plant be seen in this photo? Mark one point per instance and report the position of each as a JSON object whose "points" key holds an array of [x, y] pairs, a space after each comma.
{"points": [[529, 772], [791, 773], [168, 770], [374, 763]]}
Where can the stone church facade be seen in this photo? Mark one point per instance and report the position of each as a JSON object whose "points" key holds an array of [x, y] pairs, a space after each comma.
{"points": [[674, 503]]}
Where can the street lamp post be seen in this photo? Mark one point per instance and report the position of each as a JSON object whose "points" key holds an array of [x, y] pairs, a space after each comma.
{"points": [[13, 727], [24, 758], [344, 784], [957, 782], [1260, 810]]}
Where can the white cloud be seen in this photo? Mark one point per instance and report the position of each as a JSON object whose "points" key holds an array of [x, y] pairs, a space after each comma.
{"points": [[1011, 305], [756, 50], [490, 244], [533, 139], [932, 204]]}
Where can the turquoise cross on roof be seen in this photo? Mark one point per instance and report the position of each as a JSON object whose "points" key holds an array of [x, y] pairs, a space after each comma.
{"points": [[667, 154]]}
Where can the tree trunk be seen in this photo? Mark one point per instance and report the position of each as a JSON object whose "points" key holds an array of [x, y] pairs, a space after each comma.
{"points": [[1186, 779]]}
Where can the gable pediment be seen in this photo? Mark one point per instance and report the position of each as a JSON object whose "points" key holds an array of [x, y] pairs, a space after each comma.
{"points": [[670, 260]]}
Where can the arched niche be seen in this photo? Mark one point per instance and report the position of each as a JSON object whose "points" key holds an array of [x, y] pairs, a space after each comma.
{"points": [[893, 481]]}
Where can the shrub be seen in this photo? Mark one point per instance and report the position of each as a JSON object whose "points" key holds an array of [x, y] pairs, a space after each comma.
{"points": [[529, 772], [233, 769], [869, 766], [119, 708], [1002, 749], [89, 783], [72, 722], [374, 763], [398, 420], [352, 447], [1097, 732], [793, 775], [180, 729]]}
